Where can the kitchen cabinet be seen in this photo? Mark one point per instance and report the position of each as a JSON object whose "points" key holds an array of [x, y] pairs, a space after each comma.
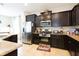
{"points": [[37, 22], [53, 41], [55, 20], [61, 19], [12, 38], [73, 18], [35, 39], [75, 15], [72, 46], [31, 18], [57, 41]]}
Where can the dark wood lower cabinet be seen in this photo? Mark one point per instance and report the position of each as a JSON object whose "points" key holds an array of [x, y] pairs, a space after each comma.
{"points": [[72, 46], [35, 39], [57, 41], [12, 38]]}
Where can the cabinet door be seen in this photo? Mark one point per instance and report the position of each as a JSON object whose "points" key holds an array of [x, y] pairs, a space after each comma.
{"points": [[73, 18], [57, 41], [64, 18], [72, 46], [31, 18], [60, 41], [69, 43], [35, 39], [55, 20], [54, 42], [77, 14], [61, 19], [38, 19]]}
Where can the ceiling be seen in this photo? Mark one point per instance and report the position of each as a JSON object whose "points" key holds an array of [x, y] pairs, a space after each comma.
{"points": [[54, 7], [36, 8], [12, 9]]}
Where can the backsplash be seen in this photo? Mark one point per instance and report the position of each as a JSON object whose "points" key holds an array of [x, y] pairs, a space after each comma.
{"points": [[65, 29]]}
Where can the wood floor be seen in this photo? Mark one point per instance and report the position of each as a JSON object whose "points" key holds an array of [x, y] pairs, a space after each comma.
{"points": [[31, 50]]}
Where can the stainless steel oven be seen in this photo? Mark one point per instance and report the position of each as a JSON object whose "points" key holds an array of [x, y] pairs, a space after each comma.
{"points": [[45, 38]]}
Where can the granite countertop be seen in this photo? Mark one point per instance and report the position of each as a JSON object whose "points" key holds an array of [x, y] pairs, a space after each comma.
{"points": [[6, 46], [76, 37]]}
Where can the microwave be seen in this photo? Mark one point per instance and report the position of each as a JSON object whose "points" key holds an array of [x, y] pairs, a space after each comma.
{"points": [[45, 23]]}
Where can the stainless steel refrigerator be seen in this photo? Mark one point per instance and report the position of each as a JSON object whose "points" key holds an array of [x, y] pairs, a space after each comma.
{"points": [[27, 33]]}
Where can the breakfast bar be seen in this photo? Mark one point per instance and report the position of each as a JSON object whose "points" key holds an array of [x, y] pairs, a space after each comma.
{"points": [[8, 48]]}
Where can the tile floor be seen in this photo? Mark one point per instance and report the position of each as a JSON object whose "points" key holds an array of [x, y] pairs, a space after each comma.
{"points": [[31, 50]]}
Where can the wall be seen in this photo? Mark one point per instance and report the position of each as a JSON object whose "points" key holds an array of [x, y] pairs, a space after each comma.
{"points": [[21, 24], [5, 21], [9, 24]]}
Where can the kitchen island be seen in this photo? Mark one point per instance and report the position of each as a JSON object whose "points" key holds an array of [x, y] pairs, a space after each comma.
{"points": [[8, 48]]}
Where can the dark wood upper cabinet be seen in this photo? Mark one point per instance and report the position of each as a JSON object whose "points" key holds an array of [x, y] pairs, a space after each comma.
{"points": [[55, 20], [75, 15], [31, 17], [65, 18], [37, 22], [61, 19]]}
